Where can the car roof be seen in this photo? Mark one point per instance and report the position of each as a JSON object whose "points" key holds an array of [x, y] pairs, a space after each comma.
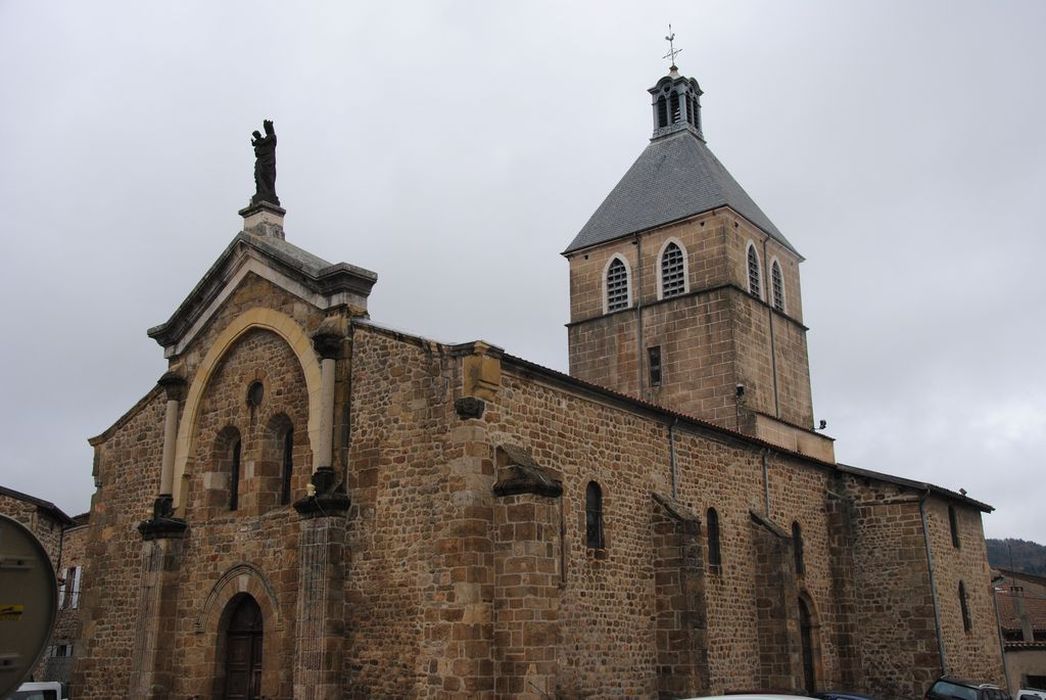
{"points": [[754, 696]]}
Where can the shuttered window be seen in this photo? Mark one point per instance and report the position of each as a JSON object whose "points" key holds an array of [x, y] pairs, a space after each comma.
{"points": [[673, 278], [755, 287], [777, 286], [617, 286]]}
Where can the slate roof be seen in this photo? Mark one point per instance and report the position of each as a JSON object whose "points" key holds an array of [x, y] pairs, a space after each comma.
{"points": [[676, 176]]}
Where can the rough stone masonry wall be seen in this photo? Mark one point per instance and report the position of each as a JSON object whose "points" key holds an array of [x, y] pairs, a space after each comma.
{"points": [[67, 629], [261, 535], [526, 595], [799, 494], [711, 339], [895, 628], [127, 461], [40, 524], [49, 534], [406, 533], [607, 643], [252, 293], [756, 367], [128, 458], [697, 355], [974, 654], [608, 601]]}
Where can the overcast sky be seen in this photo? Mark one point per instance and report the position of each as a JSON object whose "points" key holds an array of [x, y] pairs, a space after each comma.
{"points": [[456, 148]]}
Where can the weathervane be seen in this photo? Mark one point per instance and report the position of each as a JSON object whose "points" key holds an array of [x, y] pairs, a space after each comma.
{"points": [[672, 51]]}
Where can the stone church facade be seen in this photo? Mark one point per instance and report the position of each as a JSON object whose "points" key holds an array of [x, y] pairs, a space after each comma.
{"points": [[311, 505]]}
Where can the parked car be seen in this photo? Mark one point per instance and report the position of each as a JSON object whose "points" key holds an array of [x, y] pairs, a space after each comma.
{"points": [[843, 695], [754, 696], [1031, 694], [46, 690], [946, 688]]}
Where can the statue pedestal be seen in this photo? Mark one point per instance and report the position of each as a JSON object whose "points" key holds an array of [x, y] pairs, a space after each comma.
{"points": [[263, 219]]}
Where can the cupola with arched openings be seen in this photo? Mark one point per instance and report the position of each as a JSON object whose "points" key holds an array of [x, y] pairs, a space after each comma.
{"points": [[676, 101]]}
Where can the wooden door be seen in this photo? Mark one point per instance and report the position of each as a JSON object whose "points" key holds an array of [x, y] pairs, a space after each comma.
{"points": [[243, 652]]}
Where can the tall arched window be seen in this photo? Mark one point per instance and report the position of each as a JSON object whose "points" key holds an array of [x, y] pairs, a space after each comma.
{"points": [[673, 271], [755, 284], [222, 490], [797, 546], [715, 557], [617, 285], [967, 623], [594, 516], [234, 476], [777, 286], [287, 467]]}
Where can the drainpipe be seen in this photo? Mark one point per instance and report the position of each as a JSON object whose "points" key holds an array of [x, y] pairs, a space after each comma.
{"points": [[766, 479], [998, 628], [933, 585], [672, 457], [768, 282], [640, 358]]}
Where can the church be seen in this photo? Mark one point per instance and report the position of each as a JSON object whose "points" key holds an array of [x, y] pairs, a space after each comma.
{"points": [[309, 504]]}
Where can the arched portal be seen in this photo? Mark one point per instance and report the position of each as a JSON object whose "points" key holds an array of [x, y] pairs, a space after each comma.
{"points": [[241, 639]]}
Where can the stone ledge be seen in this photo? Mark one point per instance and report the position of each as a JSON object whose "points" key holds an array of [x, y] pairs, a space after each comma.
{"points": [[162, 528]]}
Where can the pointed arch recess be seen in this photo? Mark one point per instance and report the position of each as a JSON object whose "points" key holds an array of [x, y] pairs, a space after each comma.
{"points": [[628, 282], [240, 578], [775, 280], [754, 271], [265, 319], [659, 270]]}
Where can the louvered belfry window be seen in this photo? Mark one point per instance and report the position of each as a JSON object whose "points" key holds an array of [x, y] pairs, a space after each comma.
{"points": [[777, 287], [617, 286], [755, 288], [672, 276]]}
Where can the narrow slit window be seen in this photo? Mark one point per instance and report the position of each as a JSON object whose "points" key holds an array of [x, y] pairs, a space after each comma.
{"points": [[654, 361], [594, 516], [673, 274], [797, 546], [288, 466], [617, 286], [953, 523], [755, 287], [715, 555], [967, 623], [234, 478], [777, 286]]}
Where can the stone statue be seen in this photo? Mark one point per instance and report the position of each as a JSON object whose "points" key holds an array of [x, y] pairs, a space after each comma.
{"points": [[265, 165]]}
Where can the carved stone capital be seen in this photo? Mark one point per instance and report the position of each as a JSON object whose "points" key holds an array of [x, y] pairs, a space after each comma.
{"points": [[327, 499], [174, 385], [469, 407], [163, 524], [327, 345]]}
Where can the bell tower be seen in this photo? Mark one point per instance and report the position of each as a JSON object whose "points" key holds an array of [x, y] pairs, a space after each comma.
{"points": [[683, 293]]}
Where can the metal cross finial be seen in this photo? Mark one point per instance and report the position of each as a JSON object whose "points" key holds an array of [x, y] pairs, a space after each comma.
{"points": [[672, 51]]}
